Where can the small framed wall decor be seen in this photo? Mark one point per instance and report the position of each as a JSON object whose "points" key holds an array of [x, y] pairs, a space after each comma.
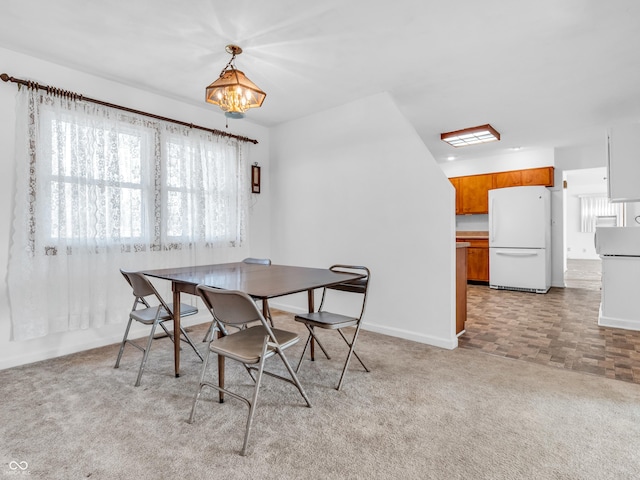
{"points": [[255, 178]]}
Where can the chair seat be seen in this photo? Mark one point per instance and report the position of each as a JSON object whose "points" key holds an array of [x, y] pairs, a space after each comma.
{"points": [[148, 315], [326, 320], [246, 345]]}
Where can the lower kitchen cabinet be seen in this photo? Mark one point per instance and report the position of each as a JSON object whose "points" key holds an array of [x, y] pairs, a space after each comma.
{"points": [[478, 260]]}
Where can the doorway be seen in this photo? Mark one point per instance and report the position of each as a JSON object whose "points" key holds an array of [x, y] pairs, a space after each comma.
{"points": [[582, 265]]}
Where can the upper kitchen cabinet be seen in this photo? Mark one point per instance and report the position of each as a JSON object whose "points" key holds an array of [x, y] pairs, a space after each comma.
{"points": [[456, 184], [623, 163], [474, 193], [518, 178], [507, 179], [538, 176]]}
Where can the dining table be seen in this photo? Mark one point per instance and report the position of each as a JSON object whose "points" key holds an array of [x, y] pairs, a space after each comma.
{"points": [[261, 282]]}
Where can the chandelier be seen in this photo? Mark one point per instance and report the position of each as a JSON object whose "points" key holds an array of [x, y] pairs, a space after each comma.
{"points": [[233, 92]]}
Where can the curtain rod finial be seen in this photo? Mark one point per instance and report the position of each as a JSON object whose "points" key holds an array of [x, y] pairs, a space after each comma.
{"points": [[5, 77]]}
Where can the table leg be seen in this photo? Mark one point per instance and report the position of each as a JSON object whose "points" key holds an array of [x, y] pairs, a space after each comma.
{"points": [[176, 329], [310, 299]]}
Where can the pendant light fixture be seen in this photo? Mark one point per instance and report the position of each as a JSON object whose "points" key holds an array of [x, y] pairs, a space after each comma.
{"points": [[233, 92]]}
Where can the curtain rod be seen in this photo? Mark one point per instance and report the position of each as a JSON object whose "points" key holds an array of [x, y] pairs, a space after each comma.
{"points": [[76, 96]]}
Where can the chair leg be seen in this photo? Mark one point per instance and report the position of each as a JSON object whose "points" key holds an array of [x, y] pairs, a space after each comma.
{"points": [[306, 345], [209, 334], [352, 346], [124, 340], [167, 332], [254, 401], [304, 350], [146, 353], [312, 335], [200, 385], [294, 377], [188, 340]]}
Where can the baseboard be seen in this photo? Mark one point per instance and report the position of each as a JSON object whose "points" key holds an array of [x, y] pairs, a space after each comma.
{"points": [[137, 331], [449, 344], [613, 322], [414, 336]]}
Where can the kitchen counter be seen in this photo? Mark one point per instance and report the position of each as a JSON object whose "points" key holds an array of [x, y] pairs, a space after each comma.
{"points": [[466, 235], [463, 244]]}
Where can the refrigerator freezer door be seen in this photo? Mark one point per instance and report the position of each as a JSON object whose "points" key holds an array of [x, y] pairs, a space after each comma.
{"points": [[519, 217], [524, 269]]}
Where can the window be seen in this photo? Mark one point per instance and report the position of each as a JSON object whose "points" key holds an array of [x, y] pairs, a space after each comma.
{"points": [[99, 189], [135, 183], [106, 185], [598, 205]]}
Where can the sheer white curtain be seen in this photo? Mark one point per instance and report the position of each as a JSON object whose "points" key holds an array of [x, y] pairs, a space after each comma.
{"points": [[596, 205], [98, 189]]}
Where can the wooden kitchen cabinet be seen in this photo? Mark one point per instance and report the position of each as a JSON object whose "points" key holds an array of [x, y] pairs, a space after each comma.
{"points": [[456, 184], [538, 176], [507, 179], [523, 178], [478, 260], [474, 193]]}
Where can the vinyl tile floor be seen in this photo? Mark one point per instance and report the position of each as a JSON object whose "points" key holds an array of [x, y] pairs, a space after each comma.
{"points": [[559, 328]]}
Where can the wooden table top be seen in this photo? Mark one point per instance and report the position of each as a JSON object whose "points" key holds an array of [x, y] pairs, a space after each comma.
{"points": [[259, 281]]}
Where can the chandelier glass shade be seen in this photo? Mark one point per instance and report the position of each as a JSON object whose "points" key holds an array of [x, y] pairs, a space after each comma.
{"points": [[233, 92]]}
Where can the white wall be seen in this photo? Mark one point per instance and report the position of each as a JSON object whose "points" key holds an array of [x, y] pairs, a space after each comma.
{"points": [[356, 185], [22, 66], [515, 160]]}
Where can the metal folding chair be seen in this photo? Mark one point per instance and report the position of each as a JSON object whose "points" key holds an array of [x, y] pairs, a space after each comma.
{"points": [[250, 345], [334, 321], [256, 261], [151, 315]]}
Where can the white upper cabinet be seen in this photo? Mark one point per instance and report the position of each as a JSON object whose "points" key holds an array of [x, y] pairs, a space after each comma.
{"points": [[623, 163]]}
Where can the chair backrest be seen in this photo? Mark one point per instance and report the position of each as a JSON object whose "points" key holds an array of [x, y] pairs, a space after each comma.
{"points": [[230, 307], [259, 261], [360, 285], [142, 288]]}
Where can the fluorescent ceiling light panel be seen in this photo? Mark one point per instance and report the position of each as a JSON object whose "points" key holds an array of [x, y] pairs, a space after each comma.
{"points": [[471, 136]]}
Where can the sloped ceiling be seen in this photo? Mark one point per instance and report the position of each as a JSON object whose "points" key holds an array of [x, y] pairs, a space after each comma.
{"points": [[545, 74]]}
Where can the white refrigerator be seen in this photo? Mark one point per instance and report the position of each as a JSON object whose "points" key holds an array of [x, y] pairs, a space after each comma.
{"points": [[520, 239]]}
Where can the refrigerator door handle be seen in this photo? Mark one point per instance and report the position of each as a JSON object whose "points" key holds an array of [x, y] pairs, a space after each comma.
{"points": [[493, 218], [518, 254]]}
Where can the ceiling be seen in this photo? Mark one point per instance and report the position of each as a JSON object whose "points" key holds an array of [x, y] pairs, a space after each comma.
{"points": [[545, 74]]}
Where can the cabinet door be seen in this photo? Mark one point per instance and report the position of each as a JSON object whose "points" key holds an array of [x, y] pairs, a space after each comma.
{"points": [[478, 264], [538, 176], [456, 184], [475, 193], [507, 179], [623, 163], [478, 260]]}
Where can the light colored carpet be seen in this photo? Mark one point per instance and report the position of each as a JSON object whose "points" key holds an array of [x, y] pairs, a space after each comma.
{"points": [[421, 413]]}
